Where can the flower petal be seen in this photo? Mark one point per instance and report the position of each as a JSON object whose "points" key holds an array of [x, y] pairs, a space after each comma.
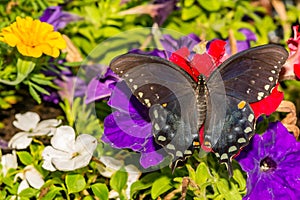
{"points": [[85, 145], [47, 126], [269, 104], [34, 178], [23, 185], [48, 153], [27, 121], [64, 139], [9, 161], [20, 140]]}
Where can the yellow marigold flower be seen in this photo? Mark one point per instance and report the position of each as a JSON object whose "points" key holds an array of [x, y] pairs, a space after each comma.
{"points": [[33, 37]]}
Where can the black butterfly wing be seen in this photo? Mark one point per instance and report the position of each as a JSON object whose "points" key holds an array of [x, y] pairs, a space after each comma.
{"points": [[247, 77], [251, 74], [170, 94]]}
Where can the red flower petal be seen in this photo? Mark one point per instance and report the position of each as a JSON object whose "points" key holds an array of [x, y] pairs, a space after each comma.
{"points": [[203, 64], [269, 104], [217, 50], [297, 70], [179, 57]]}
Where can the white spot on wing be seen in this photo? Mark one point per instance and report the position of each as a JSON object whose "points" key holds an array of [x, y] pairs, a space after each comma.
{"points": [[267, 87], [241, 140], [179, 154], [232, 149], [141, 94], [248, 129], [161, 138], [271, 78], [251, 117], [156, 127], [170, 146], [224, 156]]}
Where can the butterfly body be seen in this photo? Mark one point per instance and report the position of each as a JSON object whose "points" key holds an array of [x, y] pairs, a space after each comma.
{"points": [[179, 105]]}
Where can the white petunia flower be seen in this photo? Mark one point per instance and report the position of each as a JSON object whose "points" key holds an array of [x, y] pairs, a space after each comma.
{"points": [[66, 153], [31, 126], [112, 165], [30, 177], [9, 161]]}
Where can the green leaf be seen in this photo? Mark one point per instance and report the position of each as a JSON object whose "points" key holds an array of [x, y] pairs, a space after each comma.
{"points": [[100, 190], [25, 157], [238, 176], [192, 173], [52, 193], [143, 183], [24, 68], [34, 94], [160, 186], [28, 193], [210, 5], [202, 174], [72, 64], [190, 13], [118, 180], [75, 183]]}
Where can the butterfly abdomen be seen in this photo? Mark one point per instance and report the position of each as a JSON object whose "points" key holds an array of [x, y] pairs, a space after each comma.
{"points": [[202, 99]]}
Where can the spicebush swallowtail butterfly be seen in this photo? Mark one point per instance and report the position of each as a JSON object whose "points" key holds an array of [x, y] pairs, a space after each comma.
{"points": [[179, 105]]}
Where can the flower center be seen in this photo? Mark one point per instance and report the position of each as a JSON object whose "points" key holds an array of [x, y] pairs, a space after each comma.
{"points": [[267, 164]]}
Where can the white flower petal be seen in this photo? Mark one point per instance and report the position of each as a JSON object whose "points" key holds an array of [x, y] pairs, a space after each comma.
{"points": [[26, 121], [23, 185], [34, 178], [64, 139], [133, 175], [47, 126], [64, 164], [113, 194], [9, 161], [85, 146], [112, 165], [85, 143], [20, 141], [51, 156]]}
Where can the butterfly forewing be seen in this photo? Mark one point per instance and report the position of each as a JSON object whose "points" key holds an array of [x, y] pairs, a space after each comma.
{"points": [[170, 94], [251, 75]]}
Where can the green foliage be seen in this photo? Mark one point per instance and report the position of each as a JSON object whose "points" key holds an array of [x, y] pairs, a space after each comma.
{"points": [[100, 190], [75, 183], [101, 20]]}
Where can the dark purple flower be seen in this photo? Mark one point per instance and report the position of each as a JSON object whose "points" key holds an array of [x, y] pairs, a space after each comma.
{"points": [[101, 86], [272, 163], [58, 18], [242, 44], [129, 126], [163, 9]]}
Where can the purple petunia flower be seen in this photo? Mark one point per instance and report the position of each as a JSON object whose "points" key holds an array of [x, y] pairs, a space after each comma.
{"points": [[129, 126], [101, 86], [272, 163], [58, 18]]}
